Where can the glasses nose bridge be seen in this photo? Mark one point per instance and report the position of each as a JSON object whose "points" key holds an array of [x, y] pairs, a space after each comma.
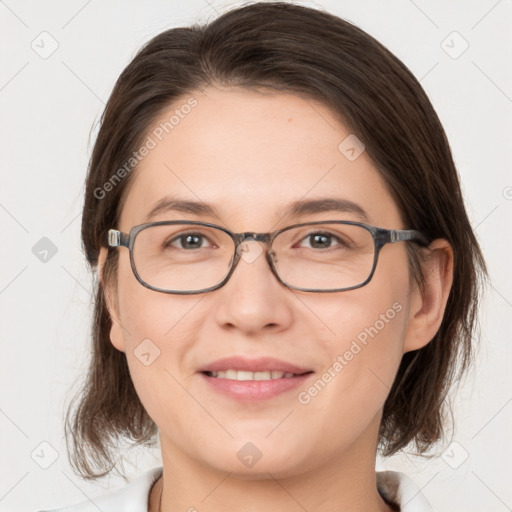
{"points": [[240, 238], [257, 237], [250, 236]]}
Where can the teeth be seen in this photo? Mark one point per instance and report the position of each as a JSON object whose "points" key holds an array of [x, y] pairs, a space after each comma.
{"points": [[244, 375]]}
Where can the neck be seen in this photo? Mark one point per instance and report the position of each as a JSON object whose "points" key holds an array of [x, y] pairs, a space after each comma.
{"points": [[346, 482]]}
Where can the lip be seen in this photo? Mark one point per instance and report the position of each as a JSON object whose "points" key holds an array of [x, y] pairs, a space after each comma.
{"points": [[254, 390], [260, 364]]}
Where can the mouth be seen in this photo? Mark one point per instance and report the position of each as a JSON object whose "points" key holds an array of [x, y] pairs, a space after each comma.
{"points": [[243, 375], [253, 380]]}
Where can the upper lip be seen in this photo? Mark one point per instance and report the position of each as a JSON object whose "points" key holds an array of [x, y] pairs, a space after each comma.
{"points": [[260, 364]]}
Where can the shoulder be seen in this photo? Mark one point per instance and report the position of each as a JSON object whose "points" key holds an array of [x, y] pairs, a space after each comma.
{"points": [[131, 498], [398, 489]]}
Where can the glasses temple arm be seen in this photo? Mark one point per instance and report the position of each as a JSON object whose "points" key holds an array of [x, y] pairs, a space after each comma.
{"points": [[404, 235], [116, 238]]}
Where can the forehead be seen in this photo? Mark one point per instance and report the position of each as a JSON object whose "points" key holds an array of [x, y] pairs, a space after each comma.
{"points": [[249, 155]]}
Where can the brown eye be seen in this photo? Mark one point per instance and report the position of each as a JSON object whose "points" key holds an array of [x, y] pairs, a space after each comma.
{"points": [[187, 241], [321, 240]]}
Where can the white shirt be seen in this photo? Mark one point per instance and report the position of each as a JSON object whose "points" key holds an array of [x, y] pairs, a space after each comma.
{"points": [[394, 486]]}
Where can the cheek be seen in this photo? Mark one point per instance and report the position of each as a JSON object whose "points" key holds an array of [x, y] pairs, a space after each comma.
{"points": [[363, 339], [158, 330], [374, 339], [160, 334], [147, 314], [363, 350], [348, 395]]}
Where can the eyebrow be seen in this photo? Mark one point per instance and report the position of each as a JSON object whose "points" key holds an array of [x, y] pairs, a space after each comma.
{"points": [[294, 209]]}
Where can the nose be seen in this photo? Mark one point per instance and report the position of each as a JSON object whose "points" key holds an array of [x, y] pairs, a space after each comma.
{"points": [[253, 299]]}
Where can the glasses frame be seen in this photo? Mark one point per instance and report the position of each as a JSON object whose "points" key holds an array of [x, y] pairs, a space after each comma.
{"points": [[381, 237]]}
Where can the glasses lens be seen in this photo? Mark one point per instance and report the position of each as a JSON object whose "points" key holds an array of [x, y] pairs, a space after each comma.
{"points": [[324, 256], [182, 257]]}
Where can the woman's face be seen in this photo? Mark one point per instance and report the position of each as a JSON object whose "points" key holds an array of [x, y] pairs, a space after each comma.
{"points": [[249, 156]]}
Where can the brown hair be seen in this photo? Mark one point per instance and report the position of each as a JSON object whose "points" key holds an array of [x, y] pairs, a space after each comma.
{"points": [[311, 53]]}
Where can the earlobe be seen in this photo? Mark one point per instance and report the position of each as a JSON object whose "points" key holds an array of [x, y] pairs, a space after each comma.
{"points": [[427, 308], [116, 332]]}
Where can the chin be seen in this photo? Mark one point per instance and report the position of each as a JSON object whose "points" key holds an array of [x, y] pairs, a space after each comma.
{"points": [[252, 461]]}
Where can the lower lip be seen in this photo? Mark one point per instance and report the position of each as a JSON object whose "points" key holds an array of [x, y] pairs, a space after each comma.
{"points": [[254, 390]]}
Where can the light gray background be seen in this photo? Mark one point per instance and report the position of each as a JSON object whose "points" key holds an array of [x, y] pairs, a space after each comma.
{"points": [[49, 106]]}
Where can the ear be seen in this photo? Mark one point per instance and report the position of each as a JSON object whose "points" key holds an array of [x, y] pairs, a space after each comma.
{"points": [[116, 330], [427, 310]]}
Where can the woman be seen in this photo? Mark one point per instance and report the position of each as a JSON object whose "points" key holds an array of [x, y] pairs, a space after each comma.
{"points": [[287, 274]]}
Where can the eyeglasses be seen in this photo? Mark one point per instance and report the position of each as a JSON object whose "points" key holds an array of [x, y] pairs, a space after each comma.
{"points": [[186, 257]]}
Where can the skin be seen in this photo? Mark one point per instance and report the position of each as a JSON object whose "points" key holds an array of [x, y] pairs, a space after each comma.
{"points": [[249, 154]]}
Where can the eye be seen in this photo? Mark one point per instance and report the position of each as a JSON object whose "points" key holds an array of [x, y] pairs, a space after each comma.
{"points": [[187, 241], [321, 240]]}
